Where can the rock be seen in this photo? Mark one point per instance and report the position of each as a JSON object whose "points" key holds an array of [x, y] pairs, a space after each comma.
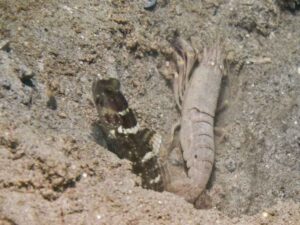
{"points": [[4, 45]]}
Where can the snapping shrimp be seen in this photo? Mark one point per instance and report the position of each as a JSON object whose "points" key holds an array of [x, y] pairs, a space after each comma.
{"points": [[188, 165]]}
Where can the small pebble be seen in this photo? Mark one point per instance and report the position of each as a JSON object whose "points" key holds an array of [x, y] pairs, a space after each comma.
{"points": [[265, 214], [84, 175], [99, 217], [62, 115], [52, 103], [150, 4], [230, 165], [6, 84], [26, 99], [26, 73]]}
